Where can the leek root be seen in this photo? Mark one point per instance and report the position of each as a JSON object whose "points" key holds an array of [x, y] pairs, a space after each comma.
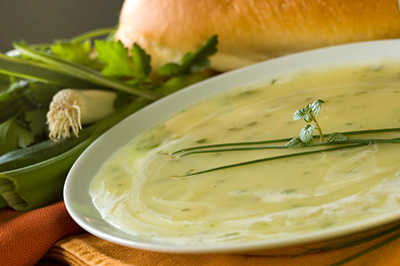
{"points": [[41, 183], [70, 108]]}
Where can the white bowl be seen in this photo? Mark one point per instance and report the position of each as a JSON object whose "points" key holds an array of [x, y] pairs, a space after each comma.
{"points": [[79, 203]]}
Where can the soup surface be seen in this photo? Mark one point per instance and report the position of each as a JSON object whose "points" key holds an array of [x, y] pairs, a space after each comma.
{"points": [[143, 190]]}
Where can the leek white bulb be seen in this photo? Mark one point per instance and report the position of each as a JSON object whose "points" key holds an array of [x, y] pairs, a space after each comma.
{"points": [[72, 108]]}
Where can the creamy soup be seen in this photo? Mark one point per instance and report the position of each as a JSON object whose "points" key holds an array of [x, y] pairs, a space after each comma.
{"points": [[143, 190]]}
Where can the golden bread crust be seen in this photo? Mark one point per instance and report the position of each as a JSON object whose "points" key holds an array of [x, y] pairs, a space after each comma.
{"points": [[252, 30]]}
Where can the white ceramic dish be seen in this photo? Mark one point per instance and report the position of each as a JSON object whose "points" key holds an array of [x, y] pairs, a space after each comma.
{"points": [[79, 203]]}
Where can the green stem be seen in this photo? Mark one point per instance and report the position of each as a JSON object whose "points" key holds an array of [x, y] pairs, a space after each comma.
{"points": [[38, 72], [359, 254], [344, 142], [269, 159], [93, 34], [82, 37], [230, 144], [350, 242], [321, 135], [370, 131], [41, 183], [228, 150], [33, 186], [176, 83], [83, 73]]}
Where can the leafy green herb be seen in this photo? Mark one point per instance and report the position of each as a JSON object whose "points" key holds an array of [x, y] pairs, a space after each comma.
{"points": [[309, 114], [14, 136], [83, 73], [335, 137], [306, 133], [37, 121], [141, 61], [191, 61], [117, 61], [268, 159], [34, 177], [295, 143], [76, 52], [36, 71], [32, 167]]}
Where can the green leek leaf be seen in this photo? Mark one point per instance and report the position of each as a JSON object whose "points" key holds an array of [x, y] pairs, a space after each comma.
{"points": [[22, 187], [39, 179], [38, 72], [84, 73]]}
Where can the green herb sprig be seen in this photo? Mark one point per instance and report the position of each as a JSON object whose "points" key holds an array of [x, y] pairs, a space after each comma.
{"points": [[32, 167], [308, 113]]}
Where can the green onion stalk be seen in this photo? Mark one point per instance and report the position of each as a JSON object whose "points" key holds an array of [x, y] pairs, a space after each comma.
{"points": [[39, 180], [33, 163]]}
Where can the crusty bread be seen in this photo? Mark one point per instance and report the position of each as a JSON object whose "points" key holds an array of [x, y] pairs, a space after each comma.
{"points": [[252, 30]]}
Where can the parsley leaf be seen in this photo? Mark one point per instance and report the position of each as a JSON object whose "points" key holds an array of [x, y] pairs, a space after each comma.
{"points": [[115, 56], [13, 99], [43, 93], [76, 52], [141, 61], [191, 61], [120, 64], [14, 136], [37, 120]]}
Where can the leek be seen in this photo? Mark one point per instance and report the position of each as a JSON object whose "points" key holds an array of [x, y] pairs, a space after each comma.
{"points": [[34, 166], [32, 70], [70, 109], [35, 185], [41, 183], [84, 73]]}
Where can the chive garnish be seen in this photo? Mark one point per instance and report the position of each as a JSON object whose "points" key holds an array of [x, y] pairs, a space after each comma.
{"points": [[199, 150], [270, 159], [308, 114]]}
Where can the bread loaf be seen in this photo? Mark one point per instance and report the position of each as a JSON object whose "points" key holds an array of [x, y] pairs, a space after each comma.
{"points": [[250, 31]]}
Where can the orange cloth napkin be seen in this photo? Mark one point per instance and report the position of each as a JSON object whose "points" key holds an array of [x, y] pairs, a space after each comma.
{"points": [[25, 237], [48, 235], [86, 249]]}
